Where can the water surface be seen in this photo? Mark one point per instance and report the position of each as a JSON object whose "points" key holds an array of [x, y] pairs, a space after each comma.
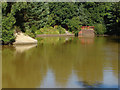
{"points": [[61, 62]]}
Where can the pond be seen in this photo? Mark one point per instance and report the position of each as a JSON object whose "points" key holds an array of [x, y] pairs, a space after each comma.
{"points": [[61, 62]]}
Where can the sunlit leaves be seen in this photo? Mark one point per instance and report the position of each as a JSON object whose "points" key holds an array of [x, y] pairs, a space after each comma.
{"points": [[8, 20], [36, 14]]}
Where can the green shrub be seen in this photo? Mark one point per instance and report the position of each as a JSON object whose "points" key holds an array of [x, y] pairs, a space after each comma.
{"points": [[8, 36], [76, 32], [47, 30], [74, 24], [61, 30], [17, 29], [7, 29], [51, 30], [100, 29], [31, 31]]}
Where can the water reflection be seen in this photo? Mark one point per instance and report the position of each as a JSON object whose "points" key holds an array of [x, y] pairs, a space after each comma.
{"points": [[22, 70], [86, 40], [22, 48], [62, 62]]}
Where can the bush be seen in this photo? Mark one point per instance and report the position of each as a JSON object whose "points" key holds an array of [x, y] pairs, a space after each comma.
{"points": [[60, 29], [74, 24], [17, 29], [7, 29], [8, 36], [100, 29], [47, 30], [31, 31], [51, 30]]}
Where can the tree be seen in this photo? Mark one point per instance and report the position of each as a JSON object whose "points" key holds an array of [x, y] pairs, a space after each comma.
{"points": [[112, 20], [31, 16], [64, 14], [8, 20], [36, 14]]}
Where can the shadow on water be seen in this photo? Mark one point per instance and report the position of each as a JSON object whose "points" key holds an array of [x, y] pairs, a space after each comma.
{"points": [[61, 62], [86, 85], [114, 39]]}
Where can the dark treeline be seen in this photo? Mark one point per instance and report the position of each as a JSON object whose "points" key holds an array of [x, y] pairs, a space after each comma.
{"points": [[30, 17]]}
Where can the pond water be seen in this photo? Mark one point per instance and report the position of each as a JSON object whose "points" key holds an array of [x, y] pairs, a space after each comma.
{"points": [[61, 62]]}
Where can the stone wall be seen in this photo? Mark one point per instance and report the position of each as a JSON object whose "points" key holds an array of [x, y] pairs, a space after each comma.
{"points": [[86, 33]]}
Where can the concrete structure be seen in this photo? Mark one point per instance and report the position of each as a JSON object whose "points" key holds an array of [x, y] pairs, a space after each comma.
{"points": [[86, 31], [54, 35], [21, 38]]}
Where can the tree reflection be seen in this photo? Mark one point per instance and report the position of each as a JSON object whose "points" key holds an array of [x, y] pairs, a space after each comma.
{"points": [[29, 68], [89, 65], [22, 72]]}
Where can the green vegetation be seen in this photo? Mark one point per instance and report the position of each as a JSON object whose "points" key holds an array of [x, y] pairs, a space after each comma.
{"points": [[51, 30], [56, 17], [60, 29], [47, 30], [31, 31], [100, 29], [9, 11]]}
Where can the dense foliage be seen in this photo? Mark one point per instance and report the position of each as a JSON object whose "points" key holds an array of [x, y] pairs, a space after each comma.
{"points": [[41, 18], [51, 30], [9, 10]]}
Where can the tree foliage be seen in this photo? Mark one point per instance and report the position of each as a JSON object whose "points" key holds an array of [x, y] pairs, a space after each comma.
{"points": [[35, 16], [112, 19], [8, 20]]}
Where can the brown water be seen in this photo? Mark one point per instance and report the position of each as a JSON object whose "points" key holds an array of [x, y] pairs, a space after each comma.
{"points": [[61, 62]]}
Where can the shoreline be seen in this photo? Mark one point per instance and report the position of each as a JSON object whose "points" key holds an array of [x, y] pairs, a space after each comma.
{"points": [[103, 35], [54, 35], [64, 35]]}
